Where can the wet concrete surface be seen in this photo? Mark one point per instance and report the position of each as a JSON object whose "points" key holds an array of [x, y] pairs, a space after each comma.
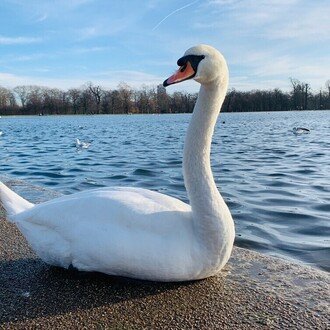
{"points": [[252, 292]]}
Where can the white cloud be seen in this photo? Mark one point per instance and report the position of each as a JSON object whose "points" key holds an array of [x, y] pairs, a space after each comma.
{"points": [[102, 29], [26, 58], [42, 18], [51, 55], [311, 25], [132, 78], [89, 32], [18, 40], [266, 42], [274, 19], [274, 67], [83, 50], [247, 83], [108, 80]]}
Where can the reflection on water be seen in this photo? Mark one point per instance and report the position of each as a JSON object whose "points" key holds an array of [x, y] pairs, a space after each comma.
{"points": [[276, 183]]}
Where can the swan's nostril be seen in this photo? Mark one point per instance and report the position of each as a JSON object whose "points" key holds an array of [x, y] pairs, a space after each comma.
{"points": [[183, 67]]}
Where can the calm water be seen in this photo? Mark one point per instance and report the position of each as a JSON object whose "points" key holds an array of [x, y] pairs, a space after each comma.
{"points": [[276, 183]]}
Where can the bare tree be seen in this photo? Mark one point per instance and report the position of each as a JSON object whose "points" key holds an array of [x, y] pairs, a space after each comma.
{"points": [[306, 91], [7, 98], [22, 93], [300, 94], [53, 100], [162, 99], [327, 95], [142, 100], [74, 95], [97, 92], [327, 86], [125, 95], [153, 99], [86, 101], [34, 101]]}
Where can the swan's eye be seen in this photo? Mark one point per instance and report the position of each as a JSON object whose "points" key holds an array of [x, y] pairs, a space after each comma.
{"points": [[183, 67]]}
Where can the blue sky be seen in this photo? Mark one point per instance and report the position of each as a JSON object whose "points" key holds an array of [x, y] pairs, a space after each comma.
{"points": [[63, 43]]}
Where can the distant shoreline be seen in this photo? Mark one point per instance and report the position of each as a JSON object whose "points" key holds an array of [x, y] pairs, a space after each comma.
{"points": [[94, 99], [151, 114]]}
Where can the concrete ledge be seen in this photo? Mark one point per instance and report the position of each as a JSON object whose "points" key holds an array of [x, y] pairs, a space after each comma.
{"points": [[253, 292]]}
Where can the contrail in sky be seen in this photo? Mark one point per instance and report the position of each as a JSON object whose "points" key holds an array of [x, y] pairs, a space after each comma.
{"points": [[173, 12]]}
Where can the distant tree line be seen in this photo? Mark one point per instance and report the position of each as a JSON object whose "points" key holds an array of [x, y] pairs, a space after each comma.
{"points": [[300, 97], [93, 99]]}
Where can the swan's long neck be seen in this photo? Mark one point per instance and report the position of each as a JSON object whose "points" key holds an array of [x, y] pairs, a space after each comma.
{"points": [[210, 213]]}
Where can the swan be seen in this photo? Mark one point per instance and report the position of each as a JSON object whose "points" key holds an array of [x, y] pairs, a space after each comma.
{"points": [[139, 233]]}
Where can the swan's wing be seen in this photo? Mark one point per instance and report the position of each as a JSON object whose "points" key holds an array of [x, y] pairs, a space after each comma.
{"points": [[118, 227], [118, 209], [103, 203]]}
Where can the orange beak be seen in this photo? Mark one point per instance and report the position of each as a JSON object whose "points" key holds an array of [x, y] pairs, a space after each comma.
{"points": [[185, 72]]}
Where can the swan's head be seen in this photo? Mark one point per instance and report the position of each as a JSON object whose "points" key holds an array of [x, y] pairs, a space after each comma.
{"points": [[202, 63]]}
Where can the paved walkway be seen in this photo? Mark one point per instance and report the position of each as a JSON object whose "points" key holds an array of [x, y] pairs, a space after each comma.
{"points": [[253, 292]]}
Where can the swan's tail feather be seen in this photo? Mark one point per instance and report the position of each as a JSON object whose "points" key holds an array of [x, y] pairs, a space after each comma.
{"points": [[12, 203]]}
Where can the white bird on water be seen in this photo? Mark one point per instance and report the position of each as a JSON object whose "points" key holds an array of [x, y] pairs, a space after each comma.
{"points": [[82, 144], [139, 233], [300, 130]]}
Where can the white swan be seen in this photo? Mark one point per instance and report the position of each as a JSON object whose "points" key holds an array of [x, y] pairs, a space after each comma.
{"points": [[137, 232]]}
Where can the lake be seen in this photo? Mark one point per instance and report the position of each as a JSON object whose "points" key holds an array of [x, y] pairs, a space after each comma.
{"points": [[276, 183]]}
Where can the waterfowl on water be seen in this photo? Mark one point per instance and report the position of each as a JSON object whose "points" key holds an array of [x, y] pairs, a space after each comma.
{"points": [[82, 144], [300, 130]]}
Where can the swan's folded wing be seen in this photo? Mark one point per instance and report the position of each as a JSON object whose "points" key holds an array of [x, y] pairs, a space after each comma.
{"points": [[104, 207], [102, 228]]}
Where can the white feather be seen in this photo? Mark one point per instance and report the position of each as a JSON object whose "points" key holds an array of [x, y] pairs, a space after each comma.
{"points": [[12, 202]]}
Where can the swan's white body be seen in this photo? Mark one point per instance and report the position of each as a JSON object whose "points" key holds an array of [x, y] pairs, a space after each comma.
{"points": [[137, 232]]}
